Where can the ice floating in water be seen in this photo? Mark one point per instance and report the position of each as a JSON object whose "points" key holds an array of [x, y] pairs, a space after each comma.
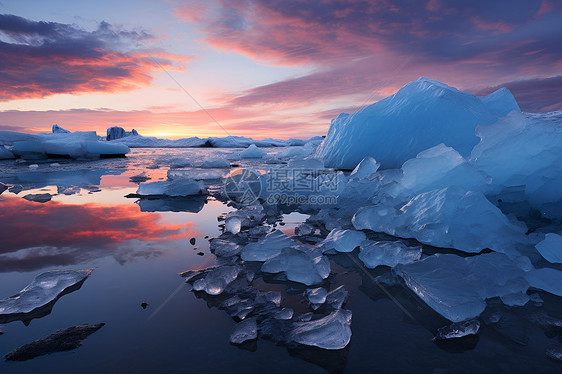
{"points": [[213, 162], [420, 115], [337, 297], [179, 187], [3, 187], [549, 280], [551, 248], [374, 254], [266, 248], [73, 145], [250, 215], [304, 229], [343, 240], [233, 224], [299, 264], [224, 248], [330, 332], [433, 218], [44, 289], [252, 152], [142, 177], [244, 331], [5, 154], [458, 330], [195, 174], [216, 280], [457, 287], [316, 296]]}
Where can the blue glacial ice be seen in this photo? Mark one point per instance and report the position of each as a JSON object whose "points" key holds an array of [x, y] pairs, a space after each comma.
{"points": [[457, 287], [252, 152], [44, 289], [374, 254], [420, 115], [299, 264], [268, 247], [343, 240], [330, 332], [551, 248], [179, 187]]}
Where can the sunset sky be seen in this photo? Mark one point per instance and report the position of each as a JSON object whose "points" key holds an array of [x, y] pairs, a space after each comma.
{"points": [[261, 67]]}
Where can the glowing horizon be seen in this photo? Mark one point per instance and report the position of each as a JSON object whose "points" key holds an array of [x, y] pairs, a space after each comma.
{"points": [[260, 68]]}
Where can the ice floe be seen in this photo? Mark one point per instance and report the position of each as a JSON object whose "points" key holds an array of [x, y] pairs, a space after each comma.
{"points": [[44, 289]]}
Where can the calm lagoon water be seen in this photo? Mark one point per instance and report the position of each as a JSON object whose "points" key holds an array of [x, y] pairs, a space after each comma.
{"points": [[138, 250]]}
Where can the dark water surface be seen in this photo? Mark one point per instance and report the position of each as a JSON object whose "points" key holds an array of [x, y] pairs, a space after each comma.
{"points": [[138, 250]]}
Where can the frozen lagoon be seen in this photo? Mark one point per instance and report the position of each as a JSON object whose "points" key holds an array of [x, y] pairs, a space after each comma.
{"points": [[139, 247]]}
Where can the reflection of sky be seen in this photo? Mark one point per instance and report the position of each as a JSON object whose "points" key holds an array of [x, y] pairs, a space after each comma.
{"points": [[63, 234]]}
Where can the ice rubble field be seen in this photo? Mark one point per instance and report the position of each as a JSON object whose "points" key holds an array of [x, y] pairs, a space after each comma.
{"points": [[433, 167]]}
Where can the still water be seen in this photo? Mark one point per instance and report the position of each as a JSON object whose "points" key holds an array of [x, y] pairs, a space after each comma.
{"points": [[138, 248]]}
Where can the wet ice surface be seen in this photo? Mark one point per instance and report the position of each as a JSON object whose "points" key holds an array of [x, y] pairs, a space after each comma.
{"points": [[301, 313]]}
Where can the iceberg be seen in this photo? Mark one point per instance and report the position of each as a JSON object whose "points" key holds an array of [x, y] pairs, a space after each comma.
{"points": [[457, 287], [38, 198], [434, 218], [73, 145], [45, 288], [117, 132], [551, 248], [374, 254], [179, 187], [252, 152], [316, 296], [331, 332], [420, 115], [139, 141]]}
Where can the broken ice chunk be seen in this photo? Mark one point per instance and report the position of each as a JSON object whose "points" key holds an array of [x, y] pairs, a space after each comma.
{"points": [[551, 248], [390, 254], [433, 218], [3, 188], [365, 169], [284, 313], [457, 287], [300, 265], [213, 162], [224, 248], [179, 187], [331, 332], [252, 152], [343, 240], [268, 247], [44, 289], [233, 224], [142, 177], [216, 280], [546, 279], [316, 296], [458, 330], [244, 331], [304, 229], [337, 297]]}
